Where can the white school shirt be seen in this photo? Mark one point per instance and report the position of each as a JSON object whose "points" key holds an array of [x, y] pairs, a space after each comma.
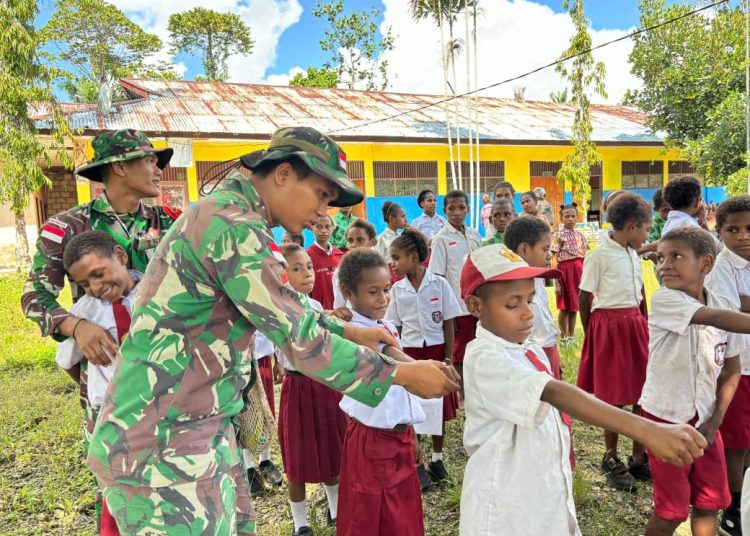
{"points": [[745, 504], [518, 478], [263, 347], [97, 312], [678, 218], [545, 332], [338, 296], [398, 407], [684, 359], [730, 279], [421, 313], [316, 305], [383, 244], [613, 274], [450, 248], [428, 225]]}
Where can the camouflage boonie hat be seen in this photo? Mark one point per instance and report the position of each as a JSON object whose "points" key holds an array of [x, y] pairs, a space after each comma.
{"points": [[119, 146], [321, 154]]}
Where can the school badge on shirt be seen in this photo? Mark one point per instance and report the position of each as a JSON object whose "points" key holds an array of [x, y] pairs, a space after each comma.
{"points": [[719, 352]]}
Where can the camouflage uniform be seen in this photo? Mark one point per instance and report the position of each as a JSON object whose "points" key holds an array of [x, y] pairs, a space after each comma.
{"points": [[341, 223], [164, 447], [496, 238]]}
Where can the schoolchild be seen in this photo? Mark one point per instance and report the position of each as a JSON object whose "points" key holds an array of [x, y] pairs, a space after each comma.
{"points": [[661, 213], [730, 279], [529, 205], [518, 478], [360, 234], [379, 491], [97, 264], [568, 249], [429, 222], [325, 258], [395, 219], [504, 190], [503, 213], [615, 344], [683, 194], [311, 425], [693, 371], [292, 238], [423, 308]]}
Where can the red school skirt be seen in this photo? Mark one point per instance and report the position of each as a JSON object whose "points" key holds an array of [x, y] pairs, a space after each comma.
{"points": [[378, 486], [466, 331], [615, 355], [570, 282], [436, 353], [265, 371], [735, 428], [311, 429]]}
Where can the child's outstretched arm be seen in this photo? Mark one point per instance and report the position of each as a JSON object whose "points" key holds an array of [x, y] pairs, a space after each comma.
{"points": [[731, 321], [678, 444], [727, 383]]}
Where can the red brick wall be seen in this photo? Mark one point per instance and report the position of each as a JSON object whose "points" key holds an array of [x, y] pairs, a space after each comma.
{"points": [[62, 194]]}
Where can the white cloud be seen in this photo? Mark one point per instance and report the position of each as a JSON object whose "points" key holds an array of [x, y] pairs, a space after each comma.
{"points": [[514, 37], [267, 19], [283, 79]]}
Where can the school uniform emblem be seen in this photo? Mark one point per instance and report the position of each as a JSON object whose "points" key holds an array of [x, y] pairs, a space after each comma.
{"points": [[719, 352], [437, 317]]}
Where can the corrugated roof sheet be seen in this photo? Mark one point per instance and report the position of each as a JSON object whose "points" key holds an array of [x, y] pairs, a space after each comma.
{"points": [[162, 107]]}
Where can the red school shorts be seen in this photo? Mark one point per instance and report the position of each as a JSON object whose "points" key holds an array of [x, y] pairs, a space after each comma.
{"points": [[702, 484], [735, 428]]}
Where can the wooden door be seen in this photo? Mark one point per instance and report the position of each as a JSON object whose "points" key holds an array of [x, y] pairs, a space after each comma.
{"points": [[555, 195]]}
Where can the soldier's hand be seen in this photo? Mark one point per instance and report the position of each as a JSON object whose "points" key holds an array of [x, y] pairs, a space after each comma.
{"points": [[369, 337], [427, 379], [95, 343]]}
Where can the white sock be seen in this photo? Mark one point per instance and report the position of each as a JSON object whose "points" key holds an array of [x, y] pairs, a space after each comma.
{"points": [[265, 455], [299, 514], [247, 458], [332, 492], [437, 456]]}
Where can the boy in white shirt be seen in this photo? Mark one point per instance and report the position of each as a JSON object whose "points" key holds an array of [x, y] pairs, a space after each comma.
{"points": [[518, 478], [98, 265], [450, 248]]}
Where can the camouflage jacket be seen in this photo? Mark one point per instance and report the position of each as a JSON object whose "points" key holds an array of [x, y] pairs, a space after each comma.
{"points": [[341, 223], [167, 415], [47, 276], [496, 238]]}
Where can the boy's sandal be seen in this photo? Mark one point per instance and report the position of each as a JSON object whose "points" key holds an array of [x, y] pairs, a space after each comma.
{"points": [[617, 473]]}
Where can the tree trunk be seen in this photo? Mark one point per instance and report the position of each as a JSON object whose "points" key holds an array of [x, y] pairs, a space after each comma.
{"points": [[473, 210], [477, 160], [23, 259], [444, 61]]}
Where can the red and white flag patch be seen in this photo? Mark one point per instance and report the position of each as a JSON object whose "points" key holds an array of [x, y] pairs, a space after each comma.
{"points": [[52, 233], [342, 160]]}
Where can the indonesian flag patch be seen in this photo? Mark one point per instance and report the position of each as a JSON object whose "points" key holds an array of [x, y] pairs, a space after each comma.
{"points": [[342, 161], [53, 233]]}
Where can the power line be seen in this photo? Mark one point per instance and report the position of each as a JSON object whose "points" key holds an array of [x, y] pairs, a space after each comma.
{"points": [[534, 71]]}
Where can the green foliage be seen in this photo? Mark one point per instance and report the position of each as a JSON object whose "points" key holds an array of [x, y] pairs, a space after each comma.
{"points": [[211, 34], [102, 44], [737, 182], [323, 77], [583, 73], [356, 54], [687, 68], [559, 97]]}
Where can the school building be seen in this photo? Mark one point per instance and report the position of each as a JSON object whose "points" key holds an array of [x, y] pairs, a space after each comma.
{"points": [[523, 142]]}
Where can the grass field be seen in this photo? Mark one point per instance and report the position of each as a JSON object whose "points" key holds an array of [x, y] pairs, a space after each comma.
{"points": [[44, 488]]}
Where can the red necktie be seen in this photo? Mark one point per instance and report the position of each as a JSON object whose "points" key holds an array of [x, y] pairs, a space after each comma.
{"points": [[122, 320], [542, 368]]}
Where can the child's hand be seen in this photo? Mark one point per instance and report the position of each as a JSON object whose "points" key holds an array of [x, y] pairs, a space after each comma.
{"points": [[342, 313], [278, 372], [678, 444], [95, 343], [709, 429], [418, 454]]}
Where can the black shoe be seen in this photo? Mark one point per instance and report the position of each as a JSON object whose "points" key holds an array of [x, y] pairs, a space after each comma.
{"points": [[303, 531], [329, 520], [730, 525], [617, 474], [257, 488], [425, 480], [270, 473], [640, 471], [438, 472]]}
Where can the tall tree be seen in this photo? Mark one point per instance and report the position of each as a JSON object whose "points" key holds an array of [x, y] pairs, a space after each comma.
{"points": [[356, 52], [314, 77], [584, 74], [211, 34], [23, 81], [101, 44]]}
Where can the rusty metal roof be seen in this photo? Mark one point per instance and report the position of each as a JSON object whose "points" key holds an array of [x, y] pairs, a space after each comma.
{"points": [[213, 109]]}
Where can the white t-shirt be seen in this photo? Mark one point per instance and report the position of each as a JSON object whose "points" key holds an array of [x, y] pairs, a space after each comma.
{"points": [[518, 478], [545, 332], [421, 314], [613, 274], [684, 359], [398, 407], [383, 244], [730, 279], [450, 248], [428, 225], [68, 354]]}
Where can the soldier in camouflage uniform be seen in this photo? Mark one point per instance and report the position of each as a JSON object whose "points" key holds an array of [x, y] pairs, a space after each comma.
{"points": [[164, 448]]}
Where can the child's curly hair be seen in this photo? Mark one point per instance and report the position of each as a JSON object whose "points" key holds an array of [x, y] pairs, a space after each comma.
{"points": [[626, 208], [353, 265], [733, 205], [412, 241]]}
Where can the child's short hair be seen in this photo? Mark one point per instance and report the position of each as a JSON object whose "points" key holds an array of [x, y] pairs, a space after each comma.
{"points": [[411, 240], [628, 207], [503, 201], [530, 194], [681, 192], [423, 194], [324, 217], [504, 184], [659, 199], [733, 205], [564, 206], [389, 208], [354, 263], [366, 226], [296, 238], [97, 242], [610, 197], [699, 240], [455, 194], [290, 249], [526, 229]]}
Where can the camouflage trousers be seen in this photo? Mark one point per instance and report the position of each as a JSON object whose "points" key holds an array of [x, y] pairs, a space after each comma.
{"points": [[219, 505]]}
